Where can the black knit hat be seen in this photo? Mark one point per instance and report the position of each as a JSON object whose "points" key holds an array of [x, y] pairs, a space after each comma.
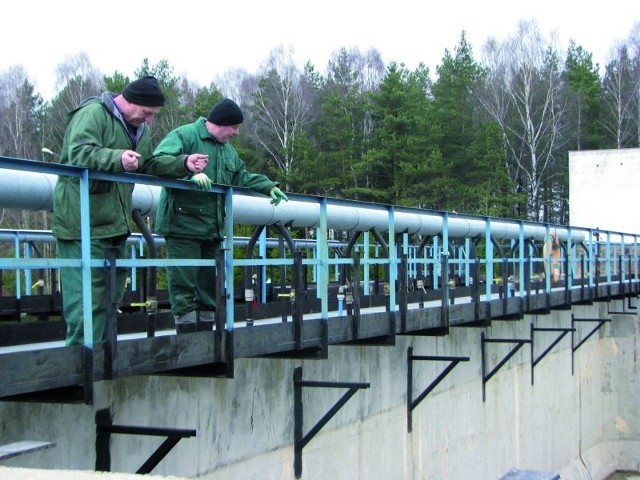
{"points": [[145, 92], [226, 112]]}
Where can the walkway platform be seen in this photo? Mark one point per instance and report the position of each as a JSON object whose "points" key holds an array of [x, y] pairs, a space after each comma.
{"points": [[51, 370]]}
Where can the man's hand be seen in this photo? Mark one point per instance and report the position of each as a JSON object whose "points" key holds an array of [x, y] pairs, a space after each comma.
{"points": [[129, 160], [196, 162], [277, 195], [202, 181]]}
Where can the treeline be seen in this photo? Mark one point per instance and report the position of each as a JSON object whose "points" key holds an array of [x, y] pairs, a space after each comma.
{"points": [[488, 137]]}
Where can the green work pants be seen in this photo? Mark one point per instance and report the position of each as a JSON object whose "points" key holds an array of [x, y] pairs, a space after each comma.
{"points": [[71, 288], [191, 288]]}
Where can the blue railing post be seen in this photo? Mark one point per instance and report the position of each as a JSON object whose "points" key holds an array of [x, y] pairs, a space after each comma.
{"points": [[85, 237], [488, 259], [393, 261], [228, 258], [322, 254]]}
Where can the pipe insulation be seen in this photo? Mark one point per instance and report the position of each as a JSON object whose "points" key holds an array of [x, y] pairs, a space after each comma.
{"points": [[20, 189]]}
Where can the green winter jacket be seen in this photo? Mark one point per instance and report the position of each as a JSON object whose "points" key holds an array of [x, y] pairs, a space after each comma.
{"points": [[95, 138], [196, 214]]}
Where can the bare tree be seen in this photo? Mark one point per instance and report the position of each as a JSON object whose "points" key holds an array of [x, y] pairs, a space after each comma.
{"points": [[20, 131], [634, 53], [523, 96], [78, 78], [19, 110], [237, 85], [620, 97], [279, 110]]}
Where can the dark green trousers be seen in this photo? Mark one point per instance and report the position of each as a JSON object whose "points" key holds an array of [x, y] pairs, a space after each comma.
{"points": [[191, 288], [71, 288]]}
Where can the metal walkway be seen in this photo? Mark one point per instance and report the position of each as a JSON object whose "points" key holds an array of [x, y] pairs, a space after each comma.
{"points": [[363, 274]]}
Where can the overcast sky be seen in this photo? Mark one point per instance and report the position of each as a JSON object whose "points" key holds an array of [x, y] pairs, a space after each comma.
{"points": [[203, 39]]}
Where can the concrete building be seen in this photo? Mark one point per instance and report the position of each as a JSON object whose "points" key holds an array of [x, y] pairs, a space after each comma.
{"points": [[603, 185]]}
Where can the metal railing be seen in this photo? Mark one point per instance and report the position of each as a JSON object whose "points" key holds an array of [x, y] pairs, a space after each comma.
{"points": [[440, 250]]}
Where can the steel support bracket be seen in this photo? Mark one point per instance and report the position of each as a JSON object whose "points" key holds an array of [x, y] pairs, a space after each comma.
{"points": [[562, 332], [412, 404], [487, 376], [104, 429], [575, 346], [301, 440]]}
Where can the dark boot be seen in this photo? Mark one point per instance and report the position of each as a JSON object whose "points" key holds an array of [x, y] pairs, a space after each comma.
{"points": [[185, 328], [204, 326], [186, 323], [206, 319]]}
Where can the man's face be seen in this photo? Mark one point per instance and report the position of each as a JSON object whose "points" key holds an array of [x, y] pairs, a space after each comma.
{"points": [[224, 133], [139, 114]]}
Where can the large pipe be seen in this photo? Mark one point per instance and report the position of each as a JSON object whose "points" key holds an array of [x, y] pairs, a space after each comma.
{"points": [[21, 189]]}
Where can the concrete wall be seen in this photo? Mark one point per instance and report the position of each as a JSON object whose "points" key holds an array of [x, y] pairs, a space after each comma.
{"points": [[583, 426], [599, 179]]}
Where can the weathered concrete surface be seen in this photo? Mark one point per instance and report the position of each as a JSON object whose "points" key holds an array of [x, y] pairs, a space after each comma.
{"points": [[583, 425], [598, 174], [604, 459], [16, 473]]}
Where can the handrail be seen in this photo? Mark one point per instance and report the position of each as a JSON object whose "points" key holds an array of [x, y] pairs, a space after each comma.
{"points": [[407, 229]]}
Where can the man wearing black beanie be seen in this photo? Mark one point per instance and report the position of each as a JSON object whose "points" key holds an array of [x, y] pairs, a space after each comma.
{"points": [[145, 91], [226, 112], [192, 222], [109, 133]]}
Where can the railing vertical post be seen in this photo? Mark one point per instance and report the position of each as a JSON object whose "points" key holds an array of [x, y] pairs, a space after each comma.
{"points": [[393, 262], [111, 301], [322, 255], [87, 297], [227, 271]]}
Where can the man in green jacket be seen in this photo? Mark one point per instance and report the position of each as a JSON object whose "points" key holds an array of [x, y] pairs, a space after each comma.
{"points": [[109, 133], [192, 222]]}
